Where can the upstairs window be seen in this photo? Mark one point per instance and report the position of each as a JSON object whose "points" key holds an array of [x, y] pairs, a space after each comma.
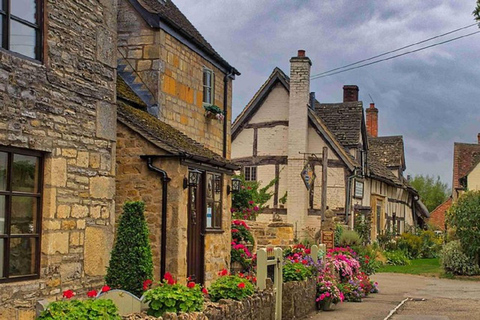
{"points": [[20, 27], [250, 173], [208, 86], [20, 213]]}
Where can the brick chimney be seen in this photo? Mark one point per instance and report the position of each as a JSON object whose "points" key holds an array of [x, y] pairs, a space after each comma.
{"points": [[372, 120], [298, 137], [350, 93]]}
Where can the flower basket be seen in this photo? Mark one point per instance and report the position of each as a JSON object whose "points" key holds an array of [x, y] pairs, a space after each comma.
{"points": [[214, 112], [236, 267], [326, 305]]}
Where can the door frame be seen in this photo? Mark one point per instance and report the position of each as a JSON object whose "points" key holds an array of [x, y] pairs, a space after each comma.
{"points": [[375, 199]]}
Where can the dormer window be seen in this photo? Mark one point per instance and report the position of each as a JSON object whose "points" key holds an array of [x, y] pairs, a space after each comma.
{"points": [[208, 86], [20, 27]]}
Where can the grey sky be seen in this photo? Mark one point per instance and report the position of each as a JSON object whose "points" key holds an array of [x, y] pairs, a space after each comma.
{"points": [[432, 97]]}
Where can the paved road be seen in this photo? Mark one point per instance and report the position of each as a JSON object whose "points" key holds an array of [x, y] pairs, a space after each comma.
{"points": [[432, 299]]}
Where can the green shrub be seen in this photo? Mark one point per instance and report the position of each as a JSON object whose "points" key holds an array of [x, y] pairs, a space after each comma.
{"points": [[411, 244], [230, 287], [396, 258], [386, 241], [338, 233], [296, 272], [366, 256], [431, 244], [80, 309], [131, 260], [174, 297], [455, 261], [349, 238]]}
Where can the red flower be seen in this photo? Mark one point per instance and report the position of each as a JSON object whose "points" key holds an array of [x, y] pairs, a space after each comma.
{"points": [[254, 279], [91, 294], [241, 285], [304, 261], [169, 278], [105, 288], [240, 275], [146, 284], [191, 284], [224, 272], [308, 251], [251, 202], [234, 230], [68, 294], [205, 291]]}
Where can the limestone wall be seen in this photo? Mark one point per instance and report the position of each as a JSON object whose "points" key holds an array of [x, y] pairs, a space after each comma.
{"points": [[276, 234], [65, 107]]}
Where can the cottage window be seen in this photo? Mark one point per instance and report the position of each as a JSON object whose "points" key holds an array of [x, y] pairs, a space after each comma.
{"points": [[20, 213], [214, 201], [208, 86], [250, 173], [20, 27]]}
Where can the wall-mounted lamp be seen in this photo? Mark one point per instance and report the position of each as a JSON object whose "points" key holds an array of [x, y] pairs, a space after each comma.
{"points": [[193, 178], [236, 184]]}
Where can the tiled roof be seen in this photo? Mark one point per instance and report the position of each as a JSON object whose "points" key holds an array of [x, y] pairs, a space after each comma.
{"points": [[168, 11], [389, 150], [131, 113], [344, 120], [378, 170], [465, 157], [437, 216]]}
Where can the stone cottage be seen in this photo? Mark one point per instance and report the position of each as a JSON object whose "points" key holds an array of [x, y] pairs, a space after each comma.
{"points": [[57, 149], [169, 153], [284, 133]]}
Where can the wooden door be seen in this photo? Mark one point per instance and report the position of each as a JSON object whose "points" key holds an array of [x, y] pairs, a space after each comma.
{"points": [[195, 246]]}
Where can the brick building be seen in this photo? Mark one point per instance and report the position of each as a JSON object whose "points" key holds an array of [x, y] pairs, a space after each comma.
{"points": [[57, 149], [167, 74], [285, 131]]}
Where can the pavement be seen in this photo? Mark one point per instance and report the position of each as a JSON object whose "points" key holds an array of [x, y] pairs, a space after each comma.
{"points": [[428, 299]]}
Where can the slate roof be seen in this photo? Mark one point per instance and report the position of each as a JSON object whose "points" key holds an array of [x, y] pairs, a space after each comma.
{"points": [[161, 134], [389, 150], [465, 157], [169, 12], [378, 170], [344, 120]]}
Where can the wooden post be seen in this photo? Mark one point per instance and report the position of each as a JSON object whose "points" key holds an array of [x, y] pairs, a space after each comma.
{"points": [[278, 283], [262, 269], [314, 253], [324, 181]]}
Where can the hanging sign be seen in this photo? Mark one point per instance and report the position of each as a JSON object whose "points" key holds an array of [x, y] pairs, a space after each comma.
{"points": [[308, 176], [358, 189]]}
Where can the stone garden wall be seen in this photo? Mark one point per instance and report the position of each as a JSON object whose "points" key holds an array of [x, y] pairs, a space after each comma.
{"points": [[298, 302], [278, 234]]}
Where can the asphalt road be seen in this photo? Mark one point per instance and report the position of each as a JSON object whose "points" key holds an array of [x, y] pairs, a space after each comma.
{"points": [[429, 299]]}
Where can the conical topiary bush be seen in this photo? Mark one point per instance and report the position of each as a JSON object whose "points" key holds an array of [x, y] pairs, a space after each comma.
{"points": [[131, 260]]}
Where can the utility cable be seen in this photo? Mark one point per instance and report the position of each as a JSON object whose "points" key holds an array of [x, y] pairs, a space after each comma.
{"points": [[392, 57]]}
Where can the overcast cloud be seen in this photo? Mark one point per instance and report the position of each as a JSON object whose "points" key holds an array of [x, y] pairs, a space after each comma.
{"points": [[431, 97]]}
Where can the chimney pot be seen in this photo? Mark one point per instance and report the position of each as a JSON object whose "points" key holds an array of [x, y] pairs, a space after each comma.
{"points": [[478, 138], [301, 53], [350, 93], [372, 105]]}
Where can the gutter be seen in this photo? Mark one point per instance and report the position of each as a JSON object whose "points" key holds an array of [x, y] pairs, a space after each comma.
{"points": [[163, 238], [230, 75]]}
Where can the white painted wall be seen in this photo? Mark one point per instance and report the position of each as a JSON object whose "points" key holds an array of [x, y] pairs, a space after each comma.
{"points": [[275, 106], [473, 178]]}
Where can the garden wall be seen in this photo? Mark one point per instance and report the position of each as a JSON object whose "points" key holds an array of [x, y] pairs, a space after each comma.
{"points": [[278, 234], [298, 302]]}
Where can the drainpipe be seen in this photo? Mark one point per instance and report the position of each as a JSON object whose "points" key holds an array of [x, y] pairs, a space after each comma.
{"points": [[229, 75], [163, 240]]}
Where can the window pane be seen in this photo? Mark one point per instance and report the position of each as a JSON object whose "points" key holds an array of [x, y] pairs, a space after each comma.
{"points": [[2, 215], [22, 39], [3, 164], [210, 185], [207, 97], [25, 173], [218, 215], [25, 9], [2, 258], [22, 256], [218, 187], [24, 215], [207, 78], [209, 215]]}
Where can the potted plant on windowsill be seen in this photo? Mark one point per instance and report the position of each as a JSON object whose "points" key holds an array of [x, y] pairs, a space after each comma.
{"points": [[214, 112]]}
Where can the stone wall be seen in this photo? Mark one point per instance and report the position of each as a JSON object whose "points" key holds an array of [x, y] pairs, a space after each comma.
{"points": [[298, 299], [278, 234], [65, 107], [174, 74]]}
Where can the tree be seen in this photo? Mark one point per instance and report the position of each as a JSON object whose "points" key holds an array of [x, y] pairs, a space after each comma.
{"points": [[476, 12], [464, 217], [432, 191], [131, 260]]}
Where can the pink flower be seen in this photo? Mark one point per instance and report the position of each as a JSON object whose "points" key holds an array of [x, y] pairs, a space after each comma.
{"points": [[255, 208], [327, 294], [251, 202], [322, 296]]}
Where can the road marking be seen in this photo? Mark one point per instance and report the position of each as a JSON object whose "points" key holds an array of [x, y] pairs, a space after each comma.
{"points": [[392, 312]]}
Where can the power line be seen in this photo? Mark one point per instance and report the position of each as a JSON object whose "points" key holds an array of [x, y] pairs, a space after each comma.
{"points": [[396, 50], [395, 56]]}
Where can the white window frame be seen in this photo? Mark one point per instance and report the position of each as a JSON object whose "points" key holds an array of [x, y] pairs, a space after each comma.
{"points": [[250, 176], [210, 86]]}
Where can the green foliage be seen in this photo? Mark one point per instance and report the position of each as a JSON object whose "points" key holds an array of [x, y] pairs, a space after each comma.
{"points": [[213, 109], [464, 217], [426, 244], [81, 309], [131, 260], [366, 256], [349, 238], [386, 240], [396, 258], [338, 233], [363, 228], [251, 199], [283, 199], [230, 287], [432, 191], [296, 272], [476, 12], [241, 233], [173, 298], [455, 261]]}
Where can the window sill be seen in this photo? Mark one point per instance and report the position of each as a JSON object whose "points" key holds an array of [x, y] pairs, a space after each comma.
{"points": [[214, 231], [21, 56]]}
